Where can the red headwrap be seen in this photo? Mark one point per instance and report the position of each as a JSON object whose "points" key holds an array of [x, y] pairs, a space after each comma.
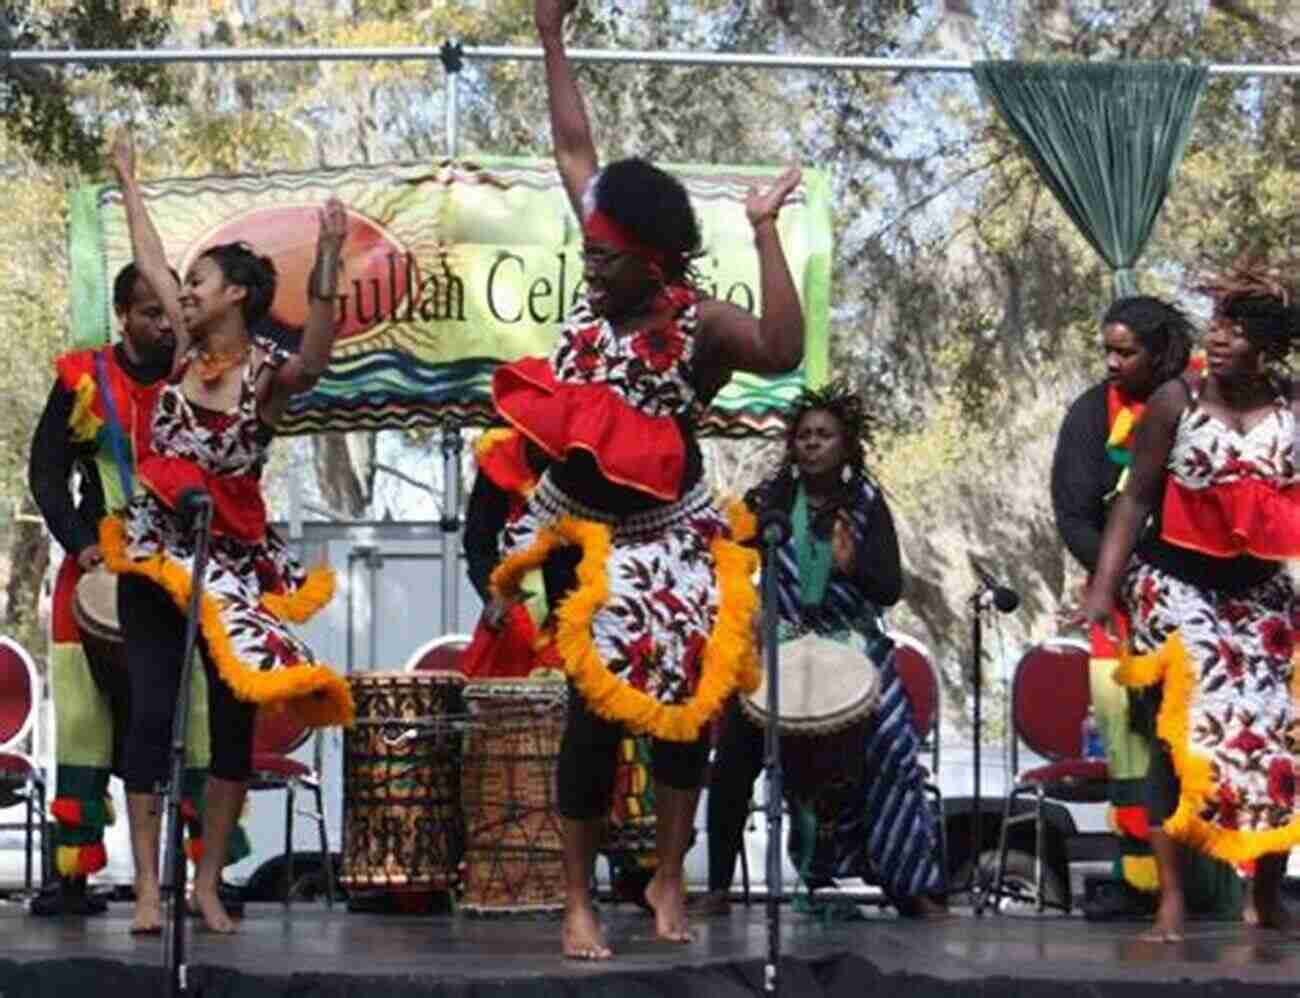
{"points": [[603, 229]]}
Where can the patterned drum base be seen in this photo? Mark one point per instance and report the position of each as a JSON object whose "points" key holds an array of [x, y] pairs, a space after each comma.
{"points": [[403, 827], [513, 855]]}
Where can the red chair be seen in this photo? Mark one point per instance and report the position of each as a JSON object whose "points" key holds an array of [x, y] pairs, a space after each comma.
{"points": [[916, 671], [439, 655], [276, 736], [21, 778], [1049, 701]]}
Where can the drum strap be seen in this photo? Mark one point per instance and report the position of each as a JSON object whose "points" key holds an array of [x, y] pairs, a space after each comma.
{"points": [[116, 437]]}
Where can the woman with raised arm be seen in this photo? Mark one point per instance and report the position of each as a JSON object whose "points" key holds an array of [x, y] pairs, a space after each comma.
{"points": [[210, 430], [653, 593], [1194, 548]]}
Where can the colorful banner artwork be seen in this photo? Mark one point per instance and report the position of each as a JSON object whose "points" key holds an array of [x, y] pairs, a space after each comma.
{"points": [[450, 269]]}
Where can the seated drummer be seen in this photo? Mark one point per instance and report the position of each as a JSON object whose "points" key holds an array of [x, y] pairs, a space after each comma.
{"points": [[75, 433], [837, 571]]}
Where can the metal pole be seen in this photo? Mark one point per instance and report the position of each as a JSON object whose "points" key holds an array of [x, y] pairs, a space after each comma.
{"points": [[451, 448], [452, 56], [774, 530], [509, 53], [977, 836], [174, 855]]}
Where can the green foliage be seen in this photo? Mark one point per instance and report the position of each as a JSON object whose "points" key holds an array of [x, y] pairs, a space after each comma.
{"points": [[41, 106]]}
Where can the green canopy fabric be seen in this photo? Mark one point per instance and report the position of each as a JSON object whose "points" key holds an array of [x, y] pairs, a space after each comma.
{"points": [[1105, 137]]}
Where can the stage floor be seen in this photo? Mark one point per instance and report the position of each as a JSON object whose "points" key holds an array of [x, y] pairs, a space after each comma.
{"points": [[313, 940]]}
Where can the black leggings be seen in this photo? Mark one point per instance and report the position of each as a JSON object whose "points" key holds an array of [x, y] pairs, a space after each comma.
{"points": [[738, 763], [588, 762], [154, 633]]}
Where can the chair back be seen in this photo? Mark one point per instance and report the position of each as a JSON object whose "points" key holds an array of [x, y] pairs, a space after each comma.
{"points": [[439, 655], [920, 679], [1050, 696], [278, 731], [19, 693], [916, 672]]}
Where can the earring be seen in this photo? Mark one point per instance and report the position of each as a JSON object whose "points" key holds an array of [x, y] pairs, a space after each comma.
{"points": [[794, 472], [846, 475]]}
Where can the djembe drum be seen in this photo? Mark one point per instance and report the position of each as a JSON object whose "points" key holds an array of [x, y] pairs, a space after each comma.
{"points": [[403, 827], [94, 608], [828, 690], [513, 853]]}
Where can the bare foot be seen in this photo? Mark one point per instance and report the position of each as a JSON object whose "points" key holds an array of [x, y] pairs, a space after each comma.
{"points": [[716, 902], [1171, 918], [668, 899], [147, 920], [583, 939], [213, 911]]}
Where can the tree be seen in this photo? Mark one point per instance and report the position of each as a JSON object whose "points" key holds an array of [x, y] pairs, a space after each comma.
{"points": [[39, 105]]}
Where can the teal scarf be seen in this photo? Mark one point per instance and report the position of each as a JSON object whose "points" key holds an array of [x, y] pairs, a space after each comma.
{"points": [[814, 555]]}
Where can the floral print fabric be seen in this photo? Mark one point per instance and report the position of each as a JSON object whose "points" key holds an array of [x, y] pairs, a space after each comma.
{"points": [[1239, 715], [649, 369], [238, 573], [1207, 453], [662, 592]]}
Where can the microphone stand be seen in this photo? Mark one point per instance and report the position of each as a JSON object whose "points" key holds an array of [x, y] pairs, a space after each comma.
{"points": [[977, 654], [989, 594], [173, 884], [774, 530]]}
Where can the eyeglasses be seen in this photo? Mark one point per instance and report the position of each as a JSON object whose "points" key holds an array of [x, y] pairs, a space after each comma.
{"points": [[600, 258]]}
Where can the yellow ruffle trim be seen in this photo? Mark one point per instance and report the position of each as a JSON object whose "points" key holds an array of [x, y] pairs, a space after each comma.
{"points": [[730, 660], [1140, 873], [315, 694], [83, 424], [301, 604], [1171, 664]]}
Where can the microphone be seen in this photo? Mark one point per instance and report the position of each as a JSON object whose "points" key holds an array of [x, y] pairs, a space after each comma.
{"points": [[773, 527], [1004, 599], [192, 503]]}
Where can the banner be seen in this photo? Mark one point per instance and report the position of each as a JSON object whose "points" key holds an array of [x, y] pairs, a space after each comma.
{"points": [[450, 269]]}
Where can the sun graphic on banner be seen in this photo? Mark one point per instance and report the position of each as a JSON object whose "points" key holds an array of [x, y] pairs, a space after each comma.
{"points": [[378, 273]]}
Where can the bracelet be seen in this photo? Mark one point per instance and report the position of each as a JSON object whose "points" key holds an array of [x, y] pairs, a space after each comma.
{"points": [[315, 279], [768, 217]]}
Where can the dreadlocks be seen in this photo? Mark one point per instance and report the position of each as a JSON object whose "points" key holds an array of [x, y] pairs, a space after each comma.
{"points": [[1252, 292], [847, 408], [840, 400]]}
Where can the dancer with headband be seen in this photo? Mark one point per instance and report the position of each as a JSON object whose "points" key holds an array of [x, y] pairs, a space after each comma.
{"points": [[653, 593]]}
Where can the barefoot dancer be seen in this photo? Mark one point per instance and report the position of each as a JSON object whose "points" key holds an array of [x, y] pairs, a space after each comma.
{"points": [[210, 428], [1212, 610], [654, 630]]}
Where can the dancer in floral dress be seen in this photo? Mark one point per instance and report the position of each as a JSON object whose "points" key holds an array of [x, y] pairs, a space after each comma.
{"points": [[1213, 612], [210, 429], [652, 592]]}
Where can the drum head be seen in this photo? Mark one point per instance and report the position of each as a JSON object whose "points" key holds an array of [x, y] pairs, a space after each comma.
{"points": [[825, 684], [95, 604]]}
